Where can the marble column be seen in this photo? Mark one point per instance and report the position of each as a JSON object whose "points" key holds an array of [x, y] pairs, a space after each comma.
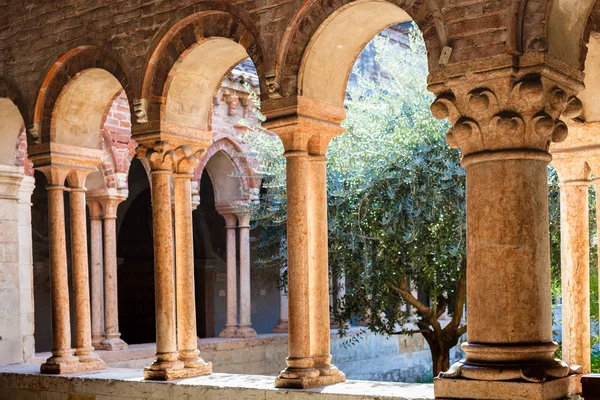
{"points": [[97, 269], [282, 325], [81, 283], [112, 335], [319, 271], [62, 359], [299, 371], [167, 364], [187, 336], [305, 136], [231, 323], [245, 327], [575, 273], [503, 128]]}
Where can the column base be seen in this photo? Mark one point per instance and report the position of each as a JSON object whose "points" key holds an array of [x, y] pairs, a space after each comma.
{"points": [[449, 388], [245, 332], [97, 342], [70, 364], [307, 378], [113, 344], [166, 371], [281, 327], [228, 332]]}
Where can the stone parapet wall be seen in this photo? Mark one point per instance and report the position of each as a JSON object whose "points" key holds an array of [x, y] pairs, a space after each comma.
{"points": [[23, 382]]}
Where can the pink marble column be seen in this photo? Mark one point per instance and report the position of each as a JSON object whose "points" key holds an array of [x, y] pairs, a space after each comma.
{"points": [[167, 364], [62, 359], [81, 285], [231, 324], [299, 372], [245, 327], [112, 339], [319, 272], [575, 273], [282, 325], [96, 273], [187, 336]]}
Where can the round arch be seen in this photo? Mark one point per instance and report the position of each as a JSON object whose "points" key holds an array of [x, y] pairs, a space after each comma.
{"points": [[74, 64], [231, 172], [194, 54], [12, 124], [344, 30]]}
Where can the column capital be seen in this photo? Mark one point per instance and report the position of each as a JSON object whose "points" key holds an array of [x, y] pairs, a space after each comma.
{"points": [[60, 162], [243, 219], [10, 181], [229, 216], [307, 127], [499, 111]]}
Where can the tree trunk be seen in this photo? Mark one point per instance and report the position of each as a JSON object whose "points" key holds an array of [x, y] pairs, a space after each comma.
{"points": [[441, 363]]}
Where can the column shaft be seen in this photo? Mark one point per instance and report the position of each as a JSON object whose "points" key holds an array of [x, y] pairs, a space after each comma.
{"points": [[187, 338], [299, 361], [575, 274], [282, 325], [113, 339], [97, 280], [79, 253], [320, 318], [245, 327], [510, 315], [231, 323], [62, 353], [164, 282]]}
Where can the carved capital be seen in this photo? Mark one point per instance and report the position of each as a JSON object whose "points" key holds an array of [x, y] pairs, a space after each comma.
{"points": [[506, 113], [160, 156], [186, 160]]}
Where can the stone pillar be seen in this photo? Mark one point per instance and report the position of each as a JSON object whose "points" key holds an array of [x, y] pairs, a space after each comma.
{"points": [[319, 270], [503, 128], [305, 135], [230, 227], [112, 335], [26, 309], [187, 336], [245, 327], [62, 359], [97, 269], [575, 273], [81, 283], [167, 364], [282, 325]]}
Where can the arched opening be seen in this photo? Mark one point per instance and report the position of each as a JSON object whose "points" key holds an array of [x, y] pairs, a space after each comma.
{"points": [[136, 261], [75, 121], [11, 128], [335, 46]]}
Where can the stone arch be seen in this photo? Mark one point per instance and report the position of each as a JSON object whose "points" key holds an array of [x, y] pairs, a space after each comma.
{"points": [[84, 61], [207, 42], [361, 20], [230, 170], [567, 28], [13, 144]]}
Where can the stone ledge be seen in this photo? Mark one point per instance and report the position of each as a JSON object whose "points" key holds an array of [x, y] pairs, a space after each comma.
{"points": [[23, 380]]}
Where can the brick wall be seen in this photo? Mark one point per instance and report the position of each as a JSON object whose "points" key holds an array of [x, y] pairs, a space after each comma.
{"points": [[36, 33]]}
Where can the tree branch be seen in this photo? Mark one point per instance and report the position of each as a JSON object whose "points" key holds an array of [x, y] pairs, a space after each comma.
{"points": [[461, 294], [461, 331], [425, 311]]}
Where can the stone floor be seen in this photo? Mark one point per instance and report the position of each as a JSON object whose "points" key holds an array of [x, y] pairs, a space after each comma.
{"points": [[24, 382]]}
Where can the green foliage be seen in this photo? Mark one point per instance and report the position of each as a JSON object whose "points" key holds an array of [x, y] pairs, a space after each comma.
{"points": [[396, 198]]}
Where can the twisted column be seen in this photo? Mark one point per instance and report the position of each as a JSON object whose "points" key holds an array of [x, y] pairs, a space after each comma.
{"points": [[231, 323], [62, 359], [187, 337], [83, 329], [96, 273], [112, 339], [245, 327]]}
